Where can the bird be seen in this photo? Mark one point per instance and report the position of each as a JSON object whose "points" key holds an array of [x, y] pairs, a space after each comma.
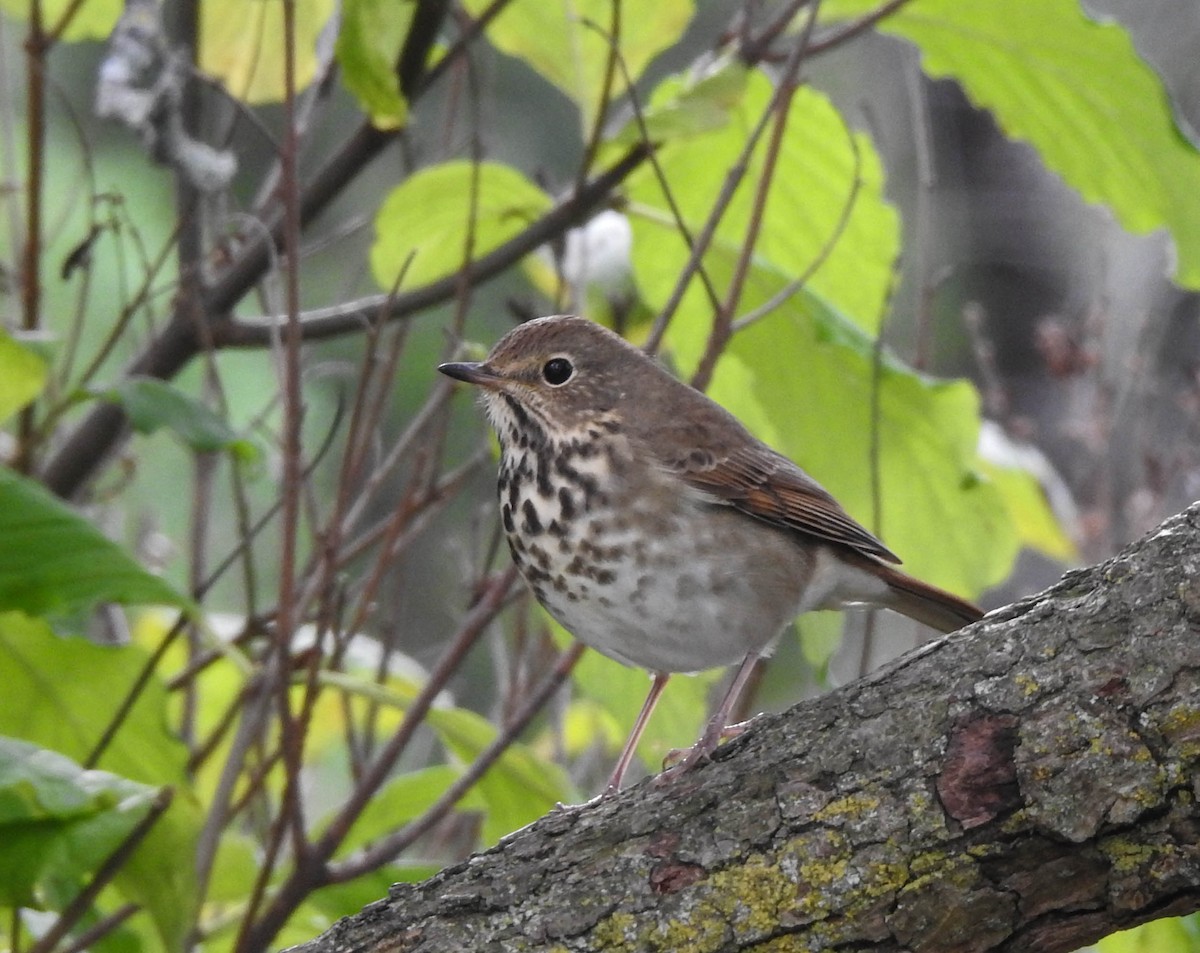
{"points": [[655, 528]]}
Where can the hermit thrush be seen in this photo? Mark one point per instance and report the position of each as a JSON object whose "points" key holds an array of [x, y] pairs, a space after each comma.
{"points": [[655, 527]]}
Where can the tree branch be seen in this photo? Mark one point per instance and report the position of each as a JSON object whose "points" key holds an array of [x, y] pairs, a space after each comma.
{"points": [[1025, 784]]}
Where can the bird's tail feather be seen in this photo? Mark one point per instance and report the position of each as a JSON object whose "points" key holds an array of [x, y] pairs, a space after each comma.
{"points": [[928, 604]]}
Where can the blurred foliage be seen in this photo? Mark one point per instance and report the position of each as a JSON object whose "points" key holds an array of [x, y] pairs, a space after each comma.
{"points": [[805, 369]]}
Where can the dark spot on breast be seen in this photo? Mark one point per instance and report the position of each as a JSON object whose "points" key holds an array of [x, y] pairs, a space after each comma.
{"points": [[566, 503], [540, 556], [544, 486], [507, 519], [557, 528], [532, 525], [585, 481]]}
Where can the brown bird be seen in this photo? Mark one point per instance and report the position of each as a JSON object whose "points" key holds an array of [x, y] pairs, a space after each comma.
{"points": [[655, 528]]}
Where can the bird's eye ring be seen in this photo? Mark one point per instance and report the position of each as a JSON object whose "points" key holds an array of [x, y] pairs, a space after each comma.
{"points": [[557, 371]]}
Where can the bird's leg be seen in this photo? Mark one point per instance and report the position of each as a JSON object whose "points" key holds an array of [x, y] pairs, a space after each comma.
{"points": [[639, 726], [717, 729]]}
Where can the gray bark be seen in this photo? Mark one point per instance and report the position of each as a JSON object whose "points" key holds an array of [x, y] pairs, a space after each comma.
{"points": [[1027, 783]]}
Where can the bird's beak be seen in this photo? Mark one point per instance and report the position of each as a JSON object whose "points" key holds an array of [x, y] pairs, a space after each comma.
{"points": [[472, 373]]}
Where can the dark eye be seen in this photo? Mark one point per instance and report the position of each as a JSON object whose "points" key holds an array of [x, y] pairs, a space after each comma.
{"points": [[557, 370]]}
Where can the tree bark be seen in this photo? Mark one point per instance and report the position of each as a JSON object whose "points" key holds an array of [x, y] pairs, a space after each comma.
{"points": [[1028, 783]]}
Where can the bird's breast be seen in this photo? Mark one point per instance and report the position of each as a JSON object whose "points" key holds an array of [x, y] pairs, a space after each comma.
{"points": [[637, 564]]}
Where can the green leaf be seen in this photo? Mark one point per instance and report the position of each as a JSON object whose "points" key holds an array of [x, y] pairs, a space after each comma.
{"points": [[368, 45], [94, 20], [54, 561], [1075, 90], [403, 799], [569, 43], [801, 378], [1169, 935], [820, 637], [802, 381], [59, 823], [424, 227], [46, 707], [1035, 523], [518, 789], [241, 45], [22, 376], [688, 104], [821, 170], [152, 404], [619, 690]]}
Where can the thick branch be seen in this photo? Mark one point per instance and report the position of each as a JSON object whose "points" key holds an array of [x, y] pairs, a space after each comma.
{"points": [[1025, 784]]}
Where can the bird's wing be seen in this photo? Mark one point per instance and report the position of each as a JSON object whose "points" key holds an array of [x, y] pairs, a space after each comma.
{"points": [[767, 485]]}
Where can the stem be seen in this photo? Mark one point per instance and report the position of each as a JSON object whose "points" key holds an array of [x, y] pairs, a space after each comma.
{"points": [[31, 281]]}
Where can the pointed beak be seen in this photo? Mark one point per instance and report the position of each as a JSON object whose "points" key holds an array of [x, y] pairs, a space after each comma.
{"points": [[472, 373]]}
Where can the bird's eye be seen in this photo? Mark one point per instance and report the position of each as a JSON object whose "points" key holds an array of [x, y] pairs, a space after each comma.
{"points": [[557, 371]]}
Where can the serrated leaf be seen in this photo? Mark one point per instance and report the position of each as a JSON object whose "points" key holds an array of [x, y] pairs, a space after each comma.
{"points": [[58, 823], [821, 170], [569, 43], [152, 404], [22, 376], [241, 45], [1076, 90], [369, 42], [68, 714], [52, 560], [427, 224]]}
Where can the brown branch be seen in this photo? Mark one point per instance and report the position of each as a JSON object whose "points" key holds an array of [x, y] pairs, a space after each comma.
{"points": [[357, 316], [1024, 784]]}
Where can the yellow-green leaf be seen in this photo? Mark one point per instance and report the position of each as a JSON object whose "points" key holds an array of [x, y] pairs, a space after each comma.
{"points": [[571, 43], [440, 217], [1034, 521], [1077, 91], [241, 45], [22, 376], [92, 20], [821, 170], [368, 46]]}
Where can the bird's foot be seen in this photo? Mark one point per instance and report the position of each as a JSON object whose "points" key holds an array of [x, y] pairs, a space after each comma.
{"points": [[680, 761]]}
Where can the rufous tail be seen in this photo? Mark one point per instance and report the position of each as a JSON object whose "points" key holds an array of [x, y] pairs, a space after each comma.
{"points": [[934, 607]]}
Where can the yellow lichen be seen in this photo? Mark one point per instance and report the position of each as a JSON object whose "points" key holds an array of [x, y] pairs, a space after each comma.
{"points": [[852, 806], [1027, 683]]}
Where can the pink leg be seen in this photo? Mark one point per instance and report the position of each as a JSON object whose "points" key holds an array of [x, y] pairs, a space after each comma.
{"points": [[639, 726], [716, 728]]}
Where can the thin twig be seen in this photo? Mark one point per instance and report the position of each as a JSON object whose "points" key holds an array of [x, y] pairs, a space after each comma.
{"points": [[387, 848]]}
